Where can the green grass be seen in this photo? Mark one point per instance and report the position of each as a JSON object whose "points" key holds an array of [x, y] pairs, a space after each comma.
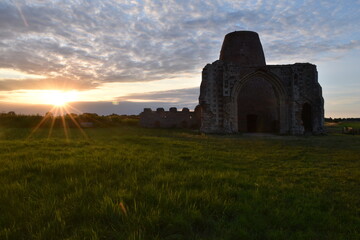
{"points": [[353, 124], [134, 183], [337, 127]]}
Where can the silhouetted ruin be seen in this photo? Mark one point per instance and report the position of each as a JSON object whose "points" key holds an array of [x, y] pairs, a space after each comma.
{"points": [[240, 93], [170, 119]]}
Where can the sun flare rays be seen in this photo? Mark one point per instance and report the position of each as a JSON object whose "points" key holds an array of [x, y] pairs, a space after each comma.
{"points": [[60, 112]]}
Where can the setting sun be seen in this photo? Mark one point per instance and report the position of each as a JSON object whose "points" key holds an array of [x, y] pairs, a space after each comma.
{"points": [[59, 98]]}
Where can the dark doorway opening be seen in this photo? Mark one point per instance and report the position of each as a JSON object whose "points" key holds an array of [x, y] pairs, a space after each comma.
{"points": [[251, 121], [306, 117]]}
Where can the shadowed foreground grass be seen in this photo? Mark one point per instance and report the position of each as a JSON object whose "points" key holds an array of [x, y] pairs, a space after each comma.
{"points": [[133, 183]]}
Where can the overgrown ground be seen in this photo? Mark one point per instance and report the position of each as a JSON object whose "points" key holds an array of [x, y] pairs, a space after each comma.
{"points": [[134, 183]]}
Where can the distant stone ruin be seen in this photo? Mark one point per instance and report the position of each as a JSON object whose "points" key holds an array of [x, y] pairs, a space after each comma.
{"points": [[240, 93], [170, 119]]}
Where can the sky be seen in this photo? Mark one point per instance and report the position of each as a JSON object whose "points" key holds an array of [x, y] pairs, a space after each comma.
{"points": [[120, 56]]}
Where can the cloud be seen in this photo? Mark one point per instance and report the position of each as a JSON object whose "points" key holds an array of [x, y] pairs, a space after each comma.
{"points": [[89, 43], [180, 96], [45, 84]]}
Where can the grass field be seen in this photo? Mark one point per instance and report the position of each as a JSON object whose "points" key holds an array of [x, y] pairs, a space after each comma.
{"points": [[134, 183], [336, 128]]}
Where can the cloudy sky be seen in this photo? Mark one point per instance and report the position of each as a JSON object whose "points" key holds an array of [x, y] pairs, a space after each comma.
{"points": [[119, 56]]}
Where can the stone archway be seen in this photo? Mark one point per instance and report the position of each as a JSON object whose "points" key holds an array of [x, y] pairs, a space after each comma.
{"points": [[257, 107], [258, 104]]}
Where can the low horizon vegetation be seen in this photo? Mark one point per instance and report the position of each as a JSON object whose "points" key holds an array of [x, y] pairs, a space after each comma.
{"points": [[71, 120], [128, 182]]}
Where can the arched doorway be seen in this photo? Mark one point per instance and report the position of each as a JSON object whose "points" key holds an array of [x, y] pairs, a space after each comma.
{"points": [[258, 107], [306, 117]]}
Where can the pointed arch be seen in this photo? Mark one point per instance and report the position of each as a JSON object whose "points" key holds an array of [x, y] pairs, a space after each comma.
{"points": [[279, 91]]}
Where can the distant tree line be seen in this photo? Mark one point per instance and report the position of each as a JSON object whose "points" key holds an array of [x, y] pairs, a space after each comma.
{"points": [[11, 119], [341, 119]]}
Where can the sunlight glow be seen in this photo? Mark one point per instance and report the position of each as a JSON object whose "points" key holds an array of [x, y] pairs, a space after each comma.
{"points": [[8, 73], [59, 98]]}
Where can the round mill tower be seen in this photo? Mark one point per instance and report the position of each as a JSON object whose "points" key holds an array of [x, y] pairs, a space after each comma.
{"points": [[243, 48]]}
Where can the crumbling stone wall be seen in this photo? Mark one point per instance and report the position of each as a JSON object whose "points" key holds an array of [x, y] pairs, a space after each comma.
{"points": [[170, 119], [240, 92]]}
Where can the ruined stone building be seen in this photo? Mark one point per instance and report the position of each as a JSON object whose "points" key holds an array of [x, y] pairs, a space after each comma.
{"points": [[240, 93], [170, 119]]}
